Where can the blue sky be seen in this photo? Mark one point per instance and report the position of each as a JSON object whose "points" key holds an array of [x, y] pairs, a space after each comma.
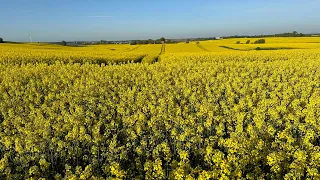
{"points": [[58, 20]]}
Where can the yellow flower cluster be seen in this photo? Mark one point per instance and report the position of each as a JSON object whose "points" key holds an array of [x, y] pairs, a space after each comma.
{"points": [[240, 115]]}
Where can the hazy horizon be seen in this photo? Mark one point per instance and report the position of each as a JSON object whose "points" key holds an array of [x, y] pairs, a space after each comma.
{"points": [[126, 20]]}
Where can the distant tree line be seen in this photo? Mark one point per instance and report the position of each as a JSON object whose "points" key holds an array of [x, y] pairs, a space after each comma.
{"points": [[151, 41], [169, 41], [202, 39], [112, 42], [1, 40], [288, 34], [293, 34]]}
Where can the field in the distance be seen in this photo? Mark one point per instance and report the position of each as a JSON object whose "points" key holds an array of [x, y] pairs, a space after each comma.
{"points": [[207, 110]]}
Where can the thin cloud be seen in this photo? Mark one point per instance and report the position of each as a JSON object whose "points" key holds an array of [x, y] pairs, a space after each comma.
{"points": [[99, 16]]}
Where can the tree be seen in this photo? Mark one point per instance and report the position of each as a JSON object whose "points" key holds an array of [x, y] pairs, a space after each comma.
{"points": [[238, 42], [163, 40], [150, 41], [260, 41], [294, 33], [158, 41], [1, 40], [248, 42], [133, 43], [64, 43]]}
